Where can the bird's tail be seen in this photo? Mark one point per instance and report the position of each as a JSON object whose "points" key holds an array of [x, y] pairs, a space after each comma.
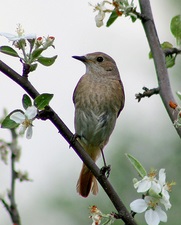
{"points": [[86, 182]]}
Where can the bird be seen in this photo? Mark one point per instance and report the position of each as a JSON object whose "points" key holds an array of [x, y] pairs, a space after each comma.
{"points": [[98, 99]]}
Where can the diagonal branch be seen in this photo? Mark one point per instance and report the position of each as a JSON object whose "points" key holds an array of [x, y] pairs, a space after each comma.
{"points": [[68, 135], [159, 60]]}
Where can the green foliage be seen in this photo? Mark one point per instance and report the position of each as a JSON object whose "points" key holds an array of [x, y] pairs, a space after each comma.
{"points": [[47, 61], [179, 94], [112, 18], [30, 49], [137, 165], [122, 8], [33, 67], [8, 123], [41, 101], [36, 53], [170, 59], [175, 27], [26, 101], [8, 51]]}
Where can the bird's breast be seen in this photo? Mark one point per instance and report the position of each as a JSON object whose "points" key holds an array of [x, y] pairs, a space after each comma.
{"points": [[97, 105]]}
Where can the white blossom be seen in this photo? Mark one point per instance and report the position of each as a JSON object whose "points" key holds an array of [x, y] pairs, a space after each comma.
{"points": [[25, 120], [165, 189], [148, 182], [101, 14], [153, 213], [19, 35], [155, 192]]}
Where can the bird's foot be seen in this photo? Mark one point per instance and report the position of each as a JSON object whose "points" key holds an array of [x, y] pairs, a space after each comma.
{"points": [[73, 139], [105, 170]]}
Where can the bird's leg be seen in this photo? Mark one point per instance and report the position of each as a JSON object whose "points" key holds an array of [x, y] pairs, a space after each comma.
{"points": [[105, 169]]}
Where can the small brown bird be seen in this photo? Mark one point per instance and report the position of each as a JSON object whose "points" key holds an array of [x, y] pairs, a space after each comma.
{"points": [[99, 99]]}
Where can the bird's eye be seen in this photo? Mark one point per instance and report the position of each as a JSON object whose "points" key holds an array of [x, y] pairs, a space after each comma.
{"points": [[100, 59]]}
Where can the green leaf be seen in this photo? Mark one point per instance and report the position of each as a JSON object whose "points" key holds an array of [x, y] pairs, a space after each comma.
{"points": [[26, 101], [42, 100], [8, 123], [150, 55], [9, 51], [112, 18], [33, 67], [170, 61], [137, 165], [47, 61], [133, 18], [166, 45], [175, 27], [179, 94], [36, 53]]}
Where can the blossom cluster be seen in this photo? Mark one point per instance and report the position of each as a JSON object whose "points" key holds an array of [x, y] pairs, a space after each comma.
{"points": [[120, 7], [97, 216], [21, 36], [155, 194], [30, 48]]}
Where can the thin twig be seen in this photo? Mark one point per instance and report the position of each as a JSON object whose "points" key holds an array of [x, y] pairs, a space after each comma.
{"points": [[147, 93], [13, 206], [171, 51]]}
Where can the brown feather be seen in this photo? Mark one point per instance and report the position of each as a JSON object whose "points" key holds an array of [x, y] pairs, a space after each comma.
{"points": [[86, 182]]}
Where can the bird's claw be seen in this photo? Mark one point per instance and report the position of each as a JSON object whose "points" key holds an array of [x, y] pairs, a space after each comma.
{"points": [[105, 170], [73, 139]]}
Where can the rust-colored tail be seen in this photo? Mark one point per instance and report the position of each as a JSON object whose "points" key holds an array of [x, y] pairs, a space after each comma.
{"points": [[86, 182]]}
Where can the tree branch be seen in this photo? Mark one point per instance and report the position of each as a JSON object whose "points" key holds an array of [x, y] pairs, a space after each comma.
{"points": [[171, 51], [68, 135], [147, 93], [159, 60]]}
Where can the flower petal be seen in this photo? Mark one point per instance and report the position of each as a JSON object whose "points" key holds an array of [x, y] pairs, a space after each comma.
{"points": [[99, 20], [17, 117], [29, 132], [31, 112], [162, 215], [144, 186], [22, 129], [10, 37], [166, 203], [30, 36], [152, 217], [156, 187], [138, 205], [162, 176]]}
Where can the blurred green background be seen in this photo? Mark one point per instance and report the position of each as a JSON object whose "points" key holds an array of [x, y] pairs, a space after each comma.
{"points": [[143, 129]]}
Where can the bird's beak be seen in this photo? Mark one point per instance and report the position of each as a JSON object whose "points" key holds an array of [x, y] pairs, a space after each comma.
{"points": [[81, 58]]}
